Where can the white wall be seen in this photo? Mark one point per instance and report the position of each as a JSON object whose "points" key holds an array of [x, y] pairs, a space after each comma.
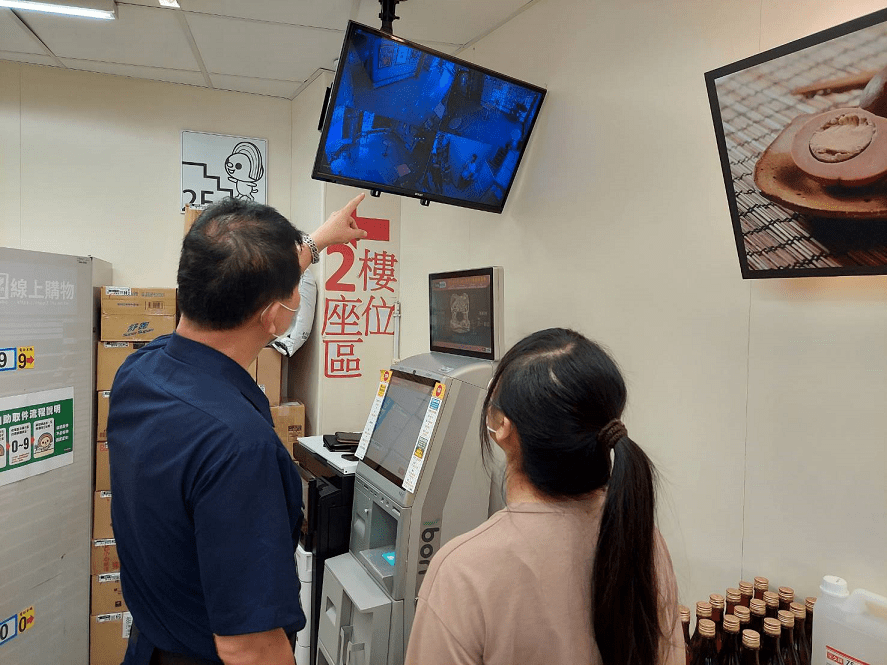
{"points": [[761, 402], [308, 205], [91, 163]]}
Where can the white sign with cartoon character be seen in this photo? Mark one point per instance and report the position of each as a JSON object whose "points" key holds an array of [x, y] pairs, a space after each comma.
{"points": [[215, 166]]}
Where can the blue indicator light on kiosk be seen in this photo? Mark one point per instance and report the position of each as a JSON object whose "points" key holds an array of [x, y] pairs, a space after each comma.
{"points": [[389, 557]]}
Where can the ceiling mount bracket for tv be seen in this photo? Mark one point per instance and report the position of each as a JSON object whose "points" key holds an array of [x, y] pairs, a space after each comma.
{"points": [[388, 16]]}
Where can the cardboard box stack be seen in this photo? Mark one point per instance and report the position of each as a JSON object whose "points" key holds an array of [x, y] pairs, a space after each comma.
{"points": [[270, 371], [130, 318], [289, 423], [269, 368]]}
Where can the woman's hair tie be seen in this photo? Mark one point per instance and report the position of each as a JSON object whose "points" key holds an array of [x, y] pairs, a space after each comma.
{"points": [[610, 434]]}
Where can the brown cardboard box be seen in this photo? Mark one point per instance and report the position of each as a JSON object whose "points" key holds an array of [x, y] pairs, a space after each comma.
{"points": [[109, 358], [107, 596], [104, 557], [289, 423], [103, 399], [191, 215], [101, 516], [269, 370], [102, 469], [108, 637], [137, 315]]}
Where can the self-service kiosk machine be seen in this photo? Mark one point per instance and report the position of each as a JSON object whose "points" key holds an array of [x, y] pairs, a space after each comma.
{"points": [[420, 481]]}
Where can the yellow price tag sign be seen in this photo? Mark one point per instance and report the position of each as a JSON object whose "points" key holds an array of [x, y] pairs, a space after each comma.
{"points": [[25, 357], [25, 619]]}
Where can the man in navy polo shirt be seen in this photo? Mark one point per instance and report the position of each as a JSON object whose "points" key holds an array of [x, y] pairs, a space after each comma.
{"points": [[206, 500]]}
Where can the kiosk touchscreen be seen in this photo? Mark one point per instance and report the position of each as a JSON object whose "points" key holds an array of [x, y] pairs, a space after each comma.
{"points": [[420, 481]]}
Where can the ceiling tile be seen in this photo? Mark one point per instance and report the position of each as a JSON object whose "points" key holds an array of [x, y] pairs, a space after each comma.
{"points": [[316, 13], [30, 58], [267, 50], [449, 21], [285, 89], [139, 36], [16, 38], [134, 71]]}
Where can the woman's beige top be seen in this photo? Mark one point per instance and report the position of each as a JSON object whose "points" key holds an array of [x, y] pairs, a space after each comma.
{"points": [[517, 590]]}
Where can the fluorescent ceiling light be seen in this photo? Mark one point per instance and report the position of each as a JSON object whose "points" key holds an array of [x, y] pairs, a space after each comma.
{"points": [[169, 3], [104, 9]]}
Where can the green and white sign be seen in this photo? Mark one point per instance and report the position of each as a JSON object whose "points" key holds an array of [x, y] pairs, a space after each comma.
{"points": [[36, 433]]}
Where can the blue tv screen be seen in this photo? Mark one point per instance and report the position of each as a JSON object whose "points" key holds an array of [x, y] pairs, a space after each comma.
{"points": [[408, 120]]}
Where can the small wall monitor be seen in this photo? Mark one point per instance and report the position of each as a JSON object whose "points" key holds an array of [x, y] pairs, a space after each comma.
{"points": [[409, 120], [397, 428], [466, 312]]}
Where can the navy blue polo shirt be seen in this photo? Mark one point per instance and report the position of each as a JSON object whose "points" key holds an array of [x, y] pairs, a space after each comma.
{"points": [[206, 502]]}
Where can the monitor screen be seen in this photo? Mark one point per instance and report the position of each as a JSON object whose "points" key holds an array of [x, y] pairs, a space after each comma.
{"points": [[397, 427], [802, 135], [463, 317], [408, 120]]}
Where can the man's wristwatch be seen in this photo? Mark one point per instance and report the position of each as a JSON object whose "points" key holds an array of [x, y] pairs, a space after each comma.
{"points": [[315, 255]]}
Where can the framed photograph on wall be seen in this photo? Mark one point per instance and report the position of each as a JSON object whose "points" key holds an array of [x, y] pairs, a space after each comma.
{"points": [[802, 134]]}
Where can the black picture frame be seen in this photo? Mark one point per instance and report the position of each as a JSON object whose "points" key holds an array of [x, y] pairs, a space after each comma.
{"points": [[784, 223]]}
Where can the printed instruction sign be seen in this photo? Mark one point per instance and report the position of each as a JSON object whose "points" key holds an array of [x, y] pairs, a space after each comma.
{"points": [[215, 166], [418, 457], [16, 624], [36, 433]]}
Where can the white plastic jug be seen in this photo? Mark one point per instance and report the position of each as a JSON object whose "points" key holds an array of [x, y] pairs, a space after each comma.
{"points": [[848, 628]]}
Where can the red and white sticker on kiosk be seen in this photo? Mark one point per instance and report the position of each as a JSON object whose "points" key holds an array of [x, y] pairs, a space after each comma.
{"points": [[418, 457], [374, 414]]}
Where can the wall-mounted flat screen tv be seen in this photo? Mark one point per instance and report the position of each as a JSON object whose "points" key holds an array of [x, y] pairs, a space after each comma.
{"points": [[408, 120], [802, 132]]}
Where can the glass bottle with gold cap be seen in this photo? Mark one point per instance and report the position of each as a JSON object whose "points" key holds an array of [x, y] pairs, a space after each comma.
{"points": [[786, 597], [733, 598], [705, 652], [762, 584], [684, 611], [787, 638], [751, 647], [744, 615], [703, 611], [716, 601], [771, 599], [809, 601], [770, 654], [802, 644], [730, 648], [758, 609], [746, 592]]}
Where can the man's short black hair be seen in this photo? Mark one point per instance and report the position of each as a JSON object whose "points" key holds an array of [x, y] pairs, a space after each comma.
{"points": [[238, 256]]}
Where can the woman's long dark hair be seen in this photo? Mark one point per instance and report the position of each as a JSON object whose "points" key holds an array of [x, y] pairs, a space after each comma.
{"points": [[559, 390]]}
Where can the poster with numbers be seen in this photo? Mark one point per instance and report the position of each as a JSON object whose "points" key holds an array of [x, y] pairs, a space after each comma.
{"points": [[36, 433]]}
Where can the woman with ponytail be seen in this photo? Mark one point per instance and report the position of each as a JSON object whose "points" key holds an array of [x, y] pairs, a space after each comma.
{"points": [[573, 570]]}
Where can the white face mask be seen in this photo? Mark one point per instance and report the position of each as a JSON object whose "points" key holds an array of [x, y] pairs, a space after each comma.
{"points": [[293, 322]]}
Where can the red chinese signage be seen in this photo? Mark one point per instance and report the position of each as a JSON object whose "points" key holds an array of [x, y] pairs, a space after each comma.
{"points": [[365, 311]]}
